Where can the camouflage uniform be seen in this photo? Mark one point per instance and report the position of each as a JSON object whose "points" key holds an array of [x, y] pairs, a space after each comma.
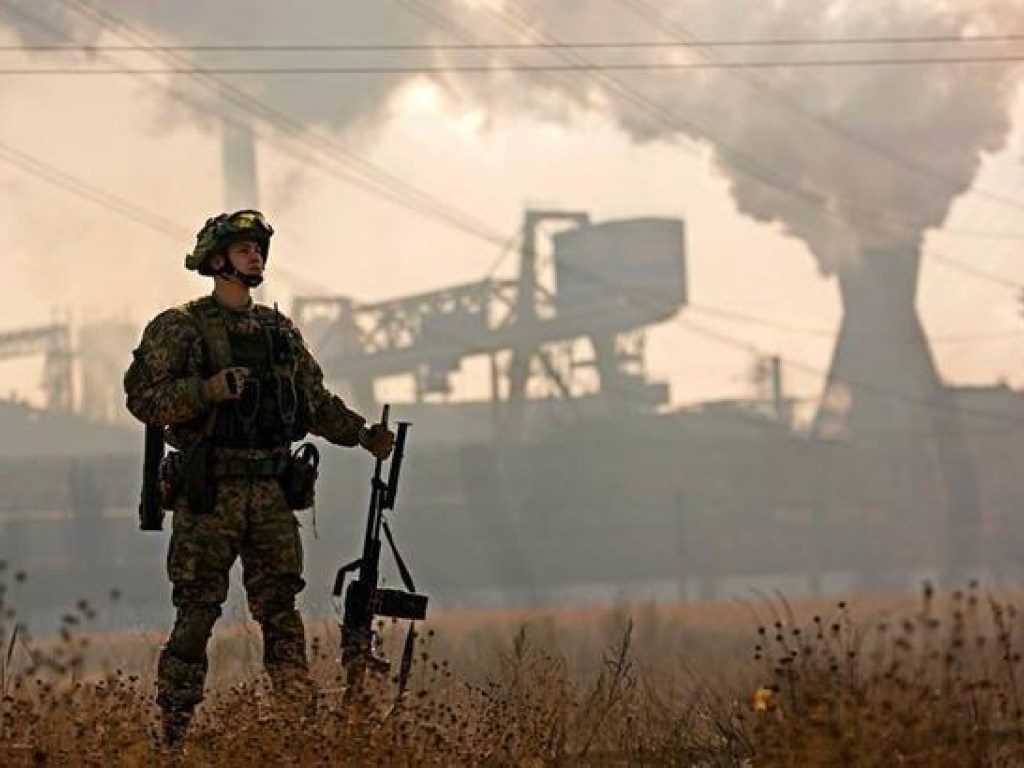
{"points": [[249, 517]]}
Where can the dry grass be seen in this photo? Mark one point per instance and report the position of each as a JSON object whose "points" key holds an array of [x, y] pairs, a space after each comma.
{"points": [[901, 682]]}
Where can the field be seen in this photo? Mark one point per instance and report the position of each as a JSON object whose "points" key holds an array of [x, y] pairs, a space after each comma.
{"points": [[923, 680]]}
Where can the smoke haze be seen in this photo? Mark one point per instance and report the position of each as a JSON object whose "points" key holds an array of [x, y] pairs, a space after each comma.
{"points": [[759, 184], [536, 138]]}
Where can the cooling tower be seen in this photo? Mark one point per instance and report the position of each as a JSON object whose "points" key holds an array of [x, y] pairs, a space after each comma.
{"points": [[885, 396]]}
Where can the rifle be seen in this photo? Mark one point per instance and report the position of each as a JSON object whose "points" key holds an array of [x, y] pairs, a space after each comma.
{"points": [[365, 600], [151, 516]]}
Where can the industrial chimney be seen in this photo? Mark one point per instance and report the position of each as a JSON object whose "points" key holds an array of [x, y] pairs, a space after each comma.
{"points": [[238, 150], [884, 394], [241, 190]]}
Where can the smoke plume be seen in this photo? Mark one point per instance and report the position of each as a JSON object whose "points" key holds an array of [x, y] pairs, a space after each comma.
{"points": [[844, 158]]}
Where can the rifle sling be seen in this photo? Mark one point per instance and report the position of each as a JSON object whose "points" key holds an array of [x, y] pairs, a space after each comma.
{"points": [[402, 569]]}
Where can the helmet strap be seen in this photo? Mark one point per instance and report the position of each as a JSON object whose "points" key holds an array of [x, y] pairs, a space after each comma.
{"points": [[228, 272]]}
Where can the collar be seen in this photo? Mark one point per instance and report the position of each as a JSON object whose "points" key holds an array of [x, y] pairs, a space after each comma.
{"points": [[245, 309]]}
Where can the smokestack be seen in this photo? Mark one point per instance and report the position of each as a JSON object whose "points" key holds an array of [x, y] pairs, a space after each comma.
{"points": [[241, 189], [239, 157]]}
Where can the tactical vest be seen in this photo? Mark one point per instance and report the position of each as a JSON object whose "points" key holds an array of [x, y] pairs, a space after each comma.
{"points": [[272, 411]]}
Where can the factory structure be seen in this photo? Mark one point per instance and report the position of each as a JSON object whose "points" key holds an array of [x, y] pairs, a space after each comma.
{"points": [[573, 477]]}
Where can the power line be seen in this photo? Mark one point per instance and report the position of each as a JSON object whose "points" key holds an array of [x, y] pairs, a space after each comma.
{"points": [[989, 273], [830, 334], [374, 178], [747, 166], [582, 68], [92, 193], [748, 347], [979, 234], [981, 274], [885, 217], [121, 206], [673, 29], [392, 187], [129, 209], [607, 44], [491, 237], [169, 229], [175, 231], [504, 253], [868, 387], [293, 144], [445, 23], [644, 299], [662, 22]]}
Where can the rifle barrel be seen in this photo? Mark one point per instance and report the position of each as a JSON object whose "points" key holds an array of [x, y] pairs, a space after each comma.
{"points": [[396, 466]]}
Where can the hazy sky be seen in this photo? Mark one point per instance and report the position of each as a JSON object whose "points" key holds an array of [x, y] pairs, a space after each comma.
{"points": [[491, 148]]}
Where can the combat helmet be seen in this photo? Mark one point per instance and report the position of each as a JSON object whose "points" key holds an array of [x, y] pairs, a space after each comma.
{"points": [[220, 231]]}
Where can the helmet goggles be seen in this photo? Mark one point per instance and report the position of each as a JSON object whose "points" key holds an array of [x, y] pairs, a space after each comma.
{"points": [[243, 224]]}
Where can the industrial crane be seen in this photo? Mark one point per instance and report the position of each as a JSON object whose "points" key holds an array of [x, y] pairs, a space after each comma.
{"points": [[611, 280]]}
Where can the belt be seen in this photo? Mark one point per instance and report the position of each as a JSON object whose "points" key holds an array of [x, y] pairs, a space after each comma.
{"points": [[243, 462]]}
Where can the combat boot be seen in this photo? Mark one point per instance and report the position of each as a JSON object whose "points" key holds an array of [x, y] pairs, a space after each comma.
{"points": [[175, 725]]}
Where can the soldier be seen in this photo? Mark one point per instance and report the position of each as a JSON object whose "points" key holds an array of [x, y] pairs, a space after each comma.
{"points": [[235, 385]]}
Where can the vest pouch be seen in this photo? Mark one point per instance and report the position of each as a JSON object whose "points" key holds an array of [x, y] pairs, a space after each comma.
{"points": [[172, 476], [298, 482]]}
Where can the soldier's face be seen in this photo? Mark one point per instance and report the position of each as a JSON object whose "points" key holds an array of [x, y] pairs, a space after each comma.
{"points": [[246, 256]]}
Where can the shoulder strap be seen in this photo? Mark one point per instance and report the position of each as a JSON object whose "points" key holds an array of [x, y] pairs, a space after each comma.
{"points": [[213, 330]]}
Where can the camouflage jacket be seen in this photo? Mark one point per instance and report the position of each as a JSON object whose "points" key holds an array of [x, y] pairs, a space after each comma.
{"points": [[163, 384]]}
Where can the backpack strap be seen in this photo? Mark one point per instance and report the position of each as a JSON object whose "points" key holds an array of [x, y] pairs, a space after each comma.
{"points": [[210, 321]]}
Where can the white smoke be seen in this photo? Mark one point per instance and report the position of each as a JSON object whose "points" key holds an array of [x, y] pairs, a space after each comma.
{"points": [[829, 191], [929, 126]]}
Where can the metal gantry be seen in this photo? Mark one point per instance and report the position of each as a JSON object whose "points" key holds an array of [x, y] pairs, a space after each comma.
{"points": [[54, 342], [529, 327]]}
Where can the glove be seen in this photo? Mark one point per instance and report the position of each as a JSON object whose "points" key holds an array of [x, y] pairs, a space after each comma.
{"points": [[225, 385], [378, 440]]}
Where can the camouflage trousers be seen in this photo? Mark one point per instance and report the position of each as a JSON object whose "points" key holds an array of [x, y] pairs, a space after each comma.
{"points": [[250, 520]]}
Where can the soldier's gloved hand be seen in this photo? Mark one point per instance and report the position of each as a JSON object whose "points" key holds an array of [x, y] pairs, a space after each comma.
{"points": [[225, 385], [378, 440]]}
